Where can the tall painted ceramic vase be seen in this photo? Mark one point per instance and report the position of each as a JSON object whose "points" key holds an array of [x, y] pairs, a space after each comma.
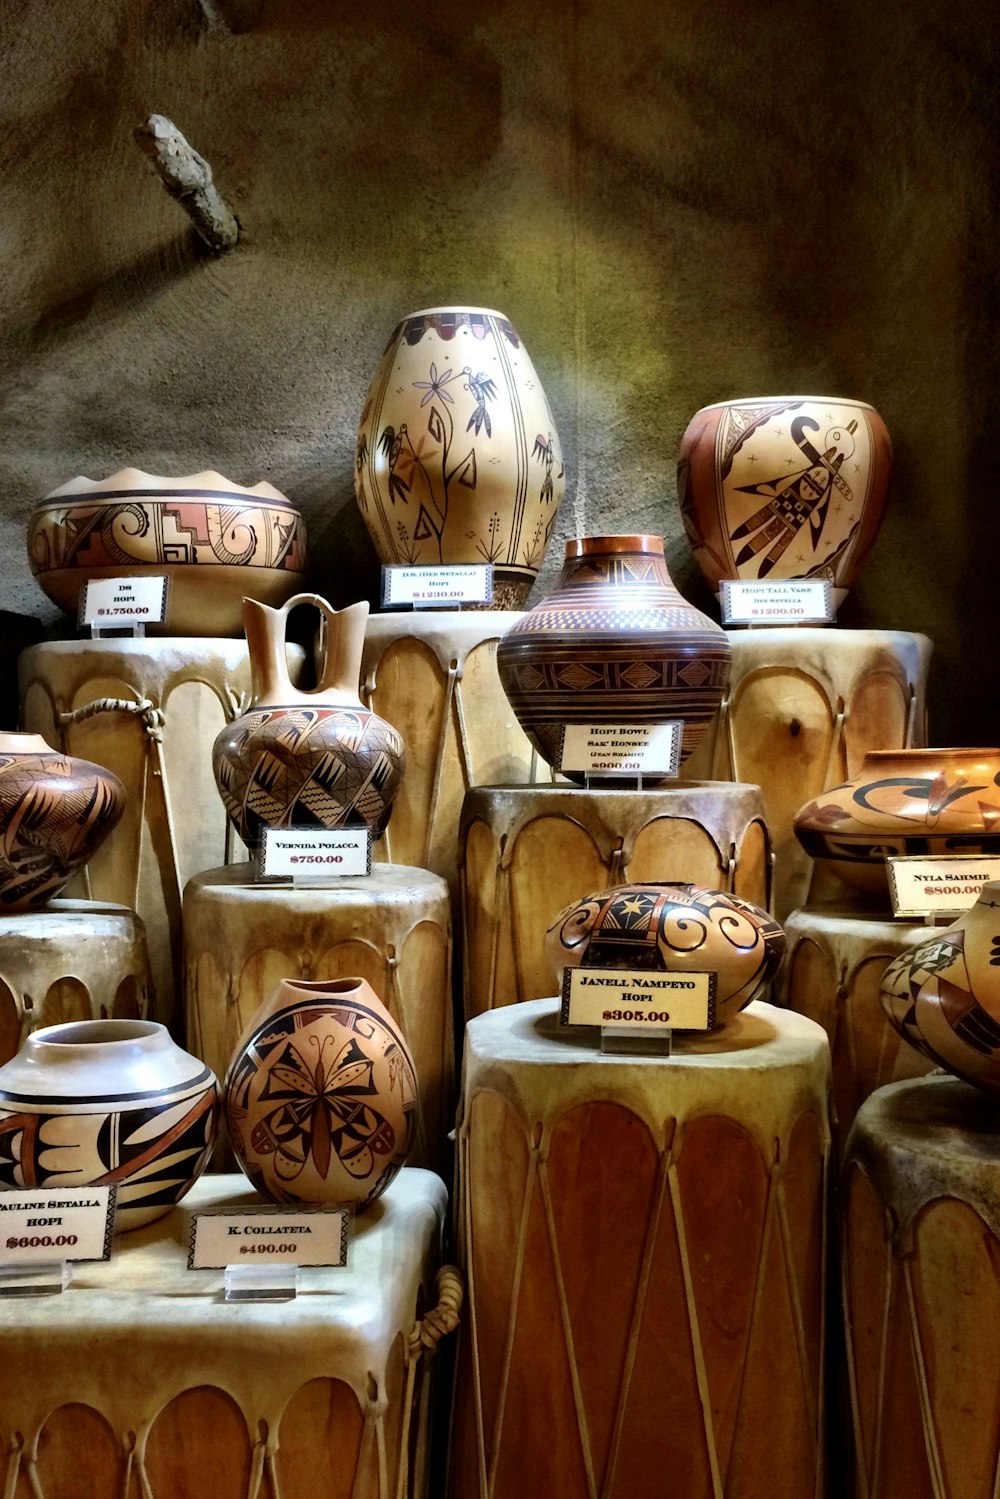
{"points": [[107, 1103], [321, 1095], [784, 487], [55, 812], [615, 643], [306, 758], [458, 458]]}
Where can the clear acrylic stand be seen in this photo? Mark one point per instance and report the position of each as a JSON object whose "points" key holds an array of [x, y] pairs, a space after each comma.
{"points": [[626, 1041], [103, 632], [261, 1282], [38, 1278]]}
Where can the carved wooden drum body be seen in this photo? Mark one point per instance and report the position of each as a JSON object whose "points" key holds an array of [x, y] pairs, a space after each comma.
{"points": [[393, 928], [75, 960], [643, 1241], [525, 852], [434, 677], [921, 1244], [150, 711], [836, 955], [141, 1381], [804, 707]]}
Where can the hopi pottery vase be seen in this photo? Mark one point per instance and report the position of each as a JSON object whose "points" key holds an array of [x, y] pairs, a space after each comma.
{"points": [[214, 540], [458, 459], [944, 996], [919, 801], [672, 929], [107, 1103], [321, 1096], [615, 643], [55, 812], [784, 487], [306, 758]]}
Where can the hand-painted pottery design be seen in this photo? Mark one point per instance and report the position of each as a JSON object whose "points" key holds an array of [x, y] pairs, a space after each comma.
{"points": [[312, 758], [321, 1096], [615, 643], [944, 996], [100, 1103], [672, 929], [920, 801], [458, 458], [784, 487], [213, 539], [55, 812]]}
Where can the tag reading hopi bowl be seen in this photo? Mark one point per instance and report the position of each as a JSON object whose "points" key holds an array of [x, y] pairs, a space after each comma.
{"points": [[638, 997], [622, 749]]}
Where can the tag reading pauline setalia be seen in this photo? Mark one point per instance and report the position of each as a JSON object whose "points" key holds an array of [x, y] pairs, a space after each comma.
{"points": [[641, 998], [57, 1223]]}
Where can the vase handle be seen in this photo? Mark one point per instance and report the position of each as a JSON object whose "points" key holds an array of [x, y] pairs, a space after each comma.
{"points": [[338, 672]]}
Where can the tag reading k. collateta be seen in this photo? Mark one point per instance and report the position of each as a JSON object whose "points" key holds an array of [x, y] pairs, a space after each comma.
{"points": [[622, 749], [57, 1223], [638, 997], [278, 1235], [437, 587], [120, 603], [784, 601], [314, 853], [928, 885]]}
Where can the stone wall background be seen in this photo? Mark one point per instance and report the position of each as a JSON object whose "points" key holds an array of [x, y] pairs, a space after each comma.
{"points": [[674, 202]]}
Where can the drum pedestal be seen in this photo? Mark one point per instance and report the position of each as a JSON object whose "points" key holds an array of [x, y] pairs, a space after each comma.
{"points": [[804, 708], [392, 928], [525, 852], [644, 1247], [141, 1380], [74, 960], [835, 959], [921, 1245]]}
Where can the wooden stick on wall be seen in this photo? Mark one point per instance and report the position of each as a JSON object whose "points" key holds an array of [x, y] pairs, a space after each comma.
{"points": [[187, 177]]}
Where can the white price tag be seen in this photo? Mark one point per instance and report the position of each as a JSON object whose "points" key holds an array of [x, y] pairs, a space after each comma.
{"points": [[622, 749], [114, 603], [786, 601], [314, 853], [927, 885], [56, 1223], [638, 998], [268, 1235], [437, 587]]}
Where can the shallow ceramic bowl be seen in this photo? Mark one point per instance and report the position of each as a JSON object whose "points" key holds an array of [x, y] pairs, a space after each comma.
{"points": [[216, 541]]}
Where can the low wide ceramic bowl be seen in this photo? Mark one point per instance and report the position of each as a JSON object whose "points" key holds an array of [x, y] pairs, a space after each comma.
{"points": [[917, 801], [216, 541]]}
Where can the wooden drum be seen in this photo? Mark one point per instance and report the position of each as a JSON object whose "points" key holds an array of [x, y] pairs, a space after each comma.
{"points": [[525, 852], [392, 928], [434, 677], [804, 708], [149, 710], [643, 1241], [74, 960], [921, 1292], [834, 962]]}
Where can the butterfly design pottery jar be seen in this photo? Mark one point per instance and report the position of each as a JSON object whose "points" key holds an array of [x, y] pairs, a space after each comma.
{"points": [[672, 929], [917, 801], [458, 458], [784, 487], [321, 1096], [614, 643], [943, 997], [307, 758], [55, 812], [111, 1103]]}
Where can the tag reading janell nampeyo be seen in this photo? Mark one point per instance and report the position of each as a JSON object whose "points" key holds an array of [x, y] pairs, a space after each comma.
{"points": [[115, 603], [781, 601], [296, 1236], [638, 997], [314, 853], [931, 885], [622, 749], [437, 587], [57, 1223]]}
